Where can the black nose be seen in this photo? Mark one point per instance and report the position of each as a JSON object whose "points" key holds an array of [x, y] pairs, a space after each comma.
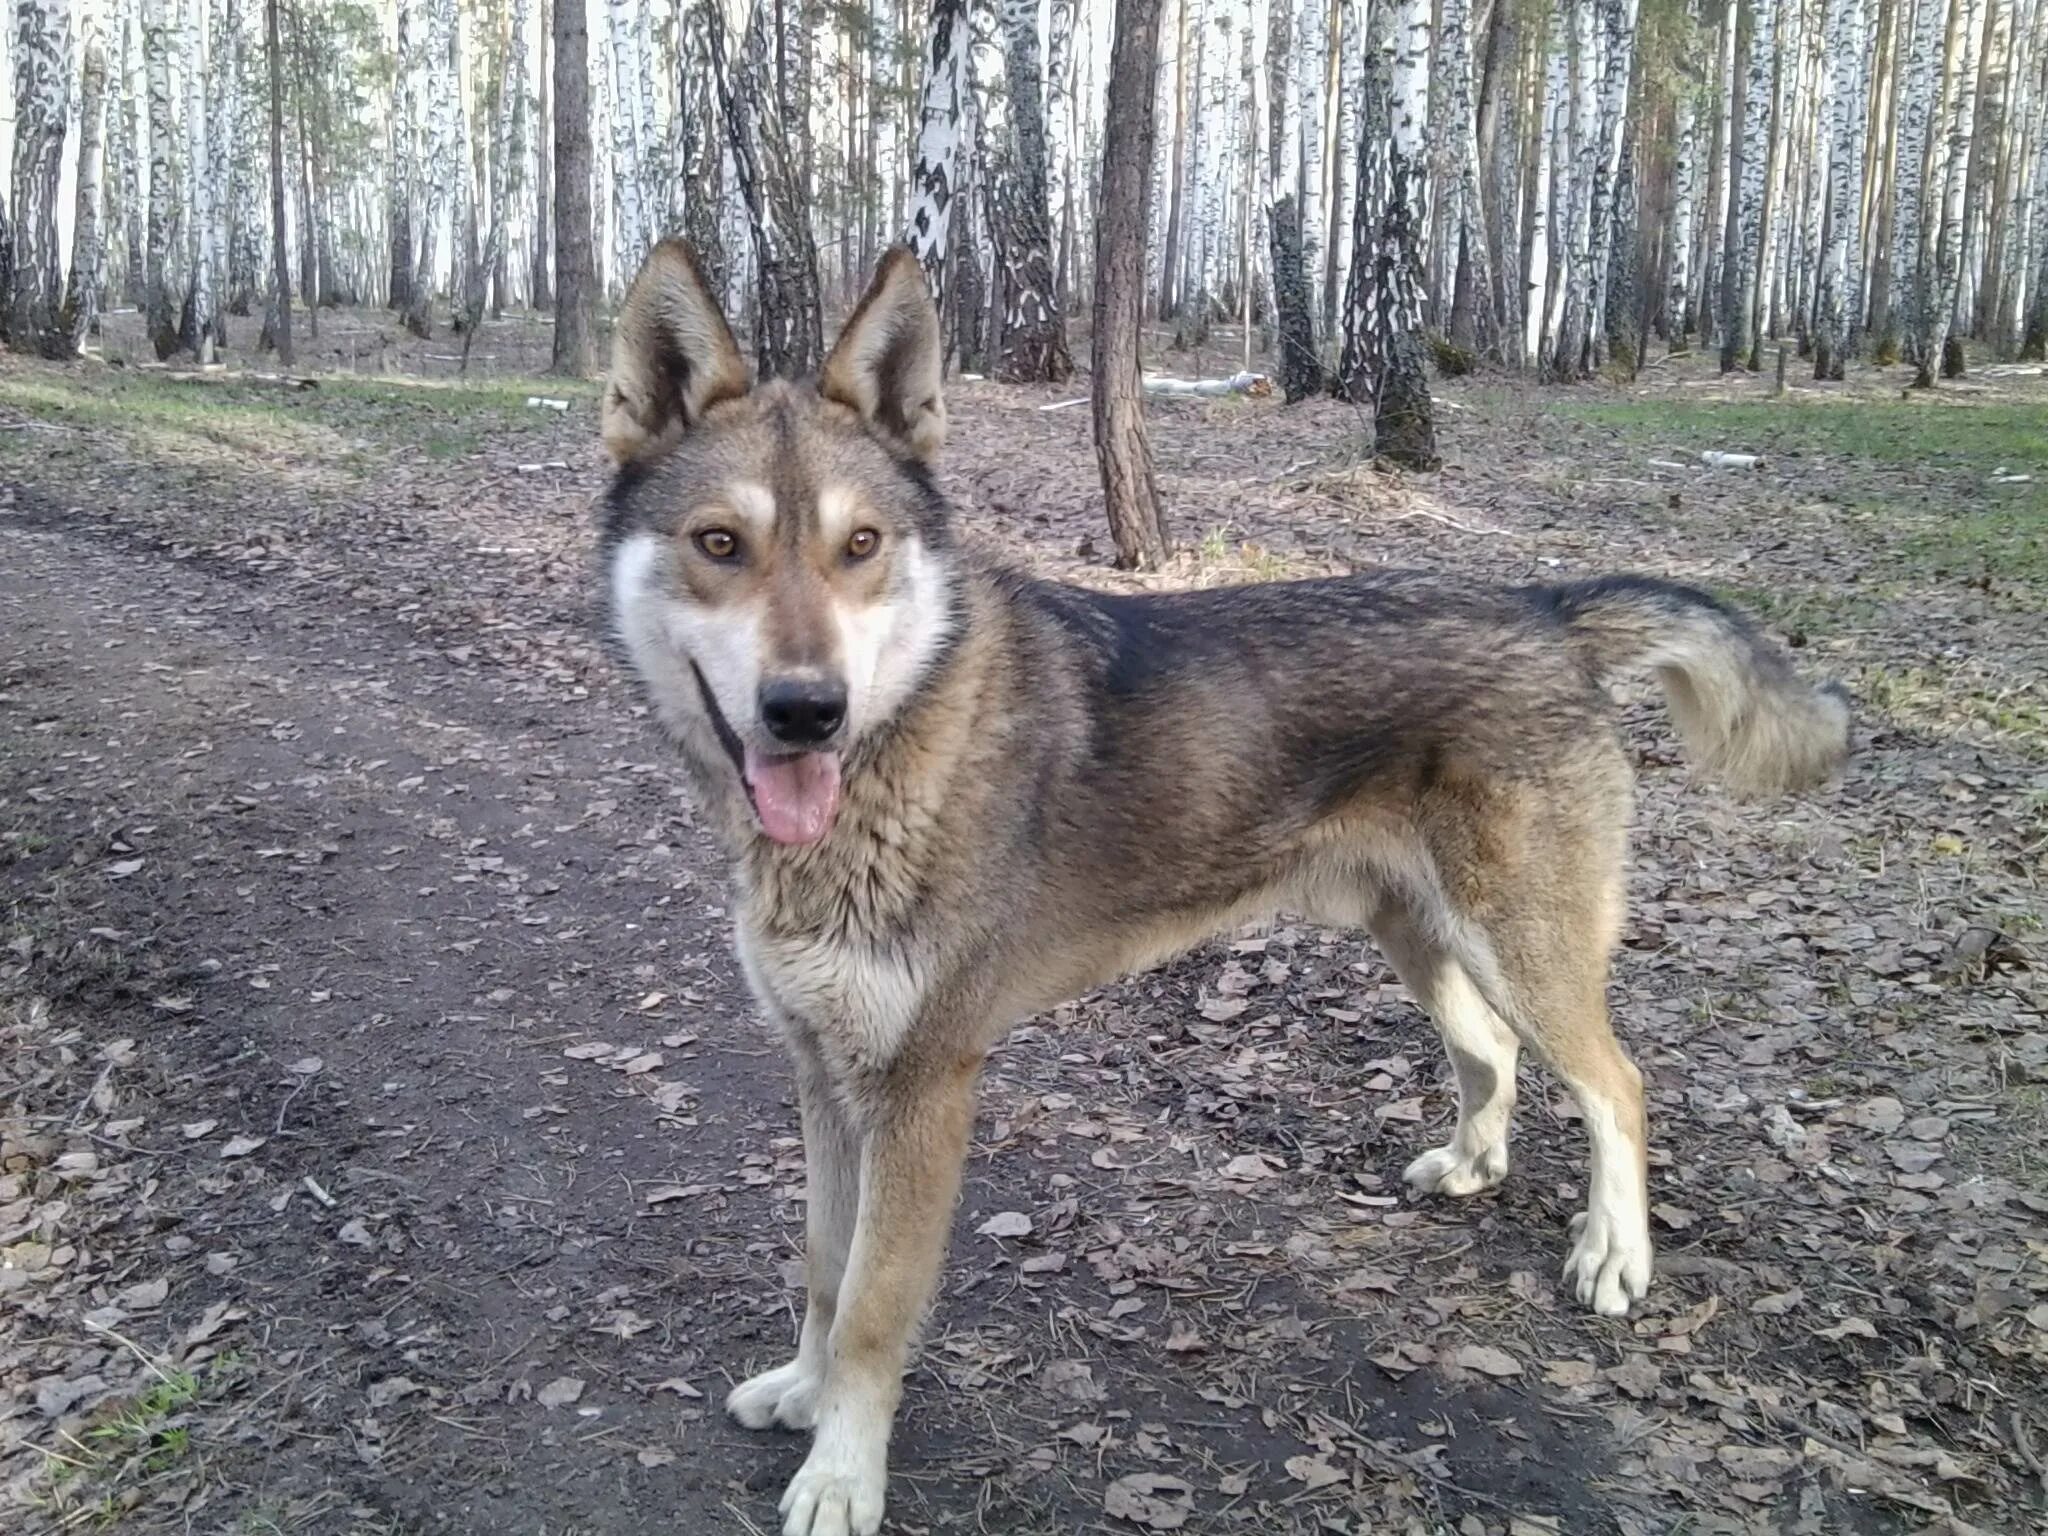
{"points": [[803, 713]]}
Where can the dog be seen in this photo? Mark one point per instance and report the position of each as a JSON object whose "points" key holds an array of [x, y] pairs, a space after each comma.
{"points": [[955, 796]]}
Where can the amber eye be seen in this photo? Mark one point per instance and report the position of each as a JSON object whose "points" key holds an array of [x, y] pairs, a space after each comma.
{"points": [[865, 542], [718, 543]]}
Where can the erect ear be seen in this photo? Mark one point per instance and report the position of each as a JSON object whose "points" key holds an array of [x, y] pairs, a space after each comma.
{"points": [[886, 362], [673, 358]]}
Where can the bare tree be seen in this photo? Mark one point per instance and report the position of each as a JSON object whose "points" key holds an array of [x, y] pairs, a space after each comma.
{"points": [[941, 118], [575, 350], [1383, 310], [42, 95], [82, 289], [1034, 342], [278, 325], [788, 328], [1136, 520]]}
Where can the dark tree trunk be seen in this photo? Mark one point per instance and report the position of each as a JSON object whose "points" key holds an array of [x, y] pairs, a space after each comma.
{"points": [[1136, 521], [1301, 370], [278, 325], [575, 304]]}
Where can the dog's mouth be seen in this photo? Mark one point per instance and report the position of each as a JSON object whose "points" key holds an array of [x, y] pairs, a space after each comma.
{"points": [[795, 795]]}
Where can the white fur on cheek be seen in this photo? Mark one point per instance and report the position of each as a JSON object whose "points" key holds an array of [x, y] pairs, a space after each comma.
{"points": [[890, 645], [664, 634]]}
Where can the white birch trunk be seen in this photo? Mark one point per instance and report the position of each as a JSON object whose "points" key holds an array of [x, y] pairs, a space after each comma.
{"points": [[942, 113], [161, 304], [1550, 109], [1574, 294], [41, 47], [1966, 22], [1755, 128], [1312, 41], [1618, 40], [1684, 178], [1059, 128], [628, 170], [1921, 85], [88, 256], [1350, 81]]}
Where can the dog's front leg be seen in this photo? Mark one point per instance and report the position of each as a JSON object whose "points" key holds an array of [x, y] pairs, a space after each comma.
{"points": [[911, 1157], [788, 1395]]}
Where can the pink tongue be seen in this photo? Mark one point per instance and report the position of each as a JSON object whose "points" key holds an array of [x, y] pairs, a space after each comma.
{"points": [[795, 797]]}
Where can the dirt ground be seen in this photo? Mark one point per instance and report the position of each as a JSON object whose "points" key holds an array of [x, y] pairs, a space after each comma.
{"points": [[389, 1145]]}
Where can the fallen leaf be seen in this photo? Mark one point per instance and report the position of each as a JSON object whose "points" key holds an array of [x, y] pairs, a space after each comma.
{"points": [[306, 1066], [356, 1233], [390, 1389], [1184, 1340], [1778, 1303], [1314, 1471], [1250, 1167], [560, 1392], [1150, 1499], [677, 1385], [1849, 1327], [1569, 1373], [1676, 1217], [194, 1129], [121, 869], [651, 1001], [653, 1458], [241, 1146], [143, 1295], [1487, 1360], [1006, 1224], [589, 1051]]}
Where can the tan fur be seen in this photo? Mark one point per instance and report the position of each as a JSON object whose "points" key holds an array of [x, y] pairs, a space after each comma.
{"points": [[1064, 786]]}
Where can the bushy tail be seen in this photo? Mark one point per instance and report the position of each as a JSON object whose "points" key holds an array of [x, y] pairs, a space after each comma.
{"points": [[1746, 717]]}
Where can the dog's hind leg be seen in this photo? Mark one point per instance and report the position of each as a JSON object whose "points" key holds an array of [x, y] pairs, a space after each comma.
{"points": [[1482, 1051], [788, 1394], [913, 1148], [1546, 974]]}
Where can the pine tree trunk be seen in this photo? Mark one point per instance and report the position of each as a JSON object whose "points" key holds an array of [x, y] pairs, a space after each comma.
{"points": [[41, 50], [941, 116], [1136, 520], [83, 288], [278, 324], [1034, 341], [575, 351]]}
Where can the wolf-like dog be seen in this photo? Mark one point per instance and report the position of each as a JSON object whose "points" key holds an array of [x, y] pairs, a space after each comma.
{"points": [[955, 796]]}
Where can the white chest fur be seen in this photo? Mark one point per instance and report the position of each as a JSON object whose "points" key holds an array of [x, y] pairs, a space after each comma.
{"points": [[857, 997]]}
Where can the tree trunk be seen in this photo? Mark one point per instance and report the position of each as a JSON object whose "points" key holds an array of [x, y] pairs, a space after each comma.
{"points": [[42, 91], [1845, 138], [541, 280], [1136, 520], [1383, 352], [398, 184], [1059, 110], [629, 238], [199, 318], [1034, 341], [1938, 315], [788, 330], [575, 350], [1176, 175], [82, 290], [941, 115], [161, 304], [1684, 176], [1464, 221], [279, 323]]}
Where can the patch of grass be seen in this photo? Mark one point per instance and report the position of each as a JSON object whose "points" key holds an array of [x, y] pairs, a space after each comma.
{"points": [[94, 1478], [202, 420], [1925, 699]]}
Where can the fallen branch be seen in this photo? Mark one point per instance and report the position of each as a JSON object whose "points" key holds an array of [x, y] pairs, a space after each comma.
{"points": [[1256, 385]]}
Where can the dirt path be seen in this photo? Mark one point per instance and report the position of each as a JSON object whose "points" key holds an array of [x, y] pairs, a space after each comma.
{"points": [[377, 1070]]}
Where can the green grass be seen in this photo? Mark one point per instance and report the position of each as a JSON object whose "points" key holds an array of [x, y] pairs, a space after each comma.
{"points": [[1871, 455], [198, 420], [93, 1479]]}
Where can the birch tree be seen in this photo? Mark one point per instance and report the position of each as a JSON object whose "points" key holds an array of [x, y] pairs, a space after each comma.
{"points": [[1845, 142], [788, 330], [82, 289], [575, 346], [1034, 340], [40, 43], [1383, 350], [942, 110], [1945, 251], [160, 304]]}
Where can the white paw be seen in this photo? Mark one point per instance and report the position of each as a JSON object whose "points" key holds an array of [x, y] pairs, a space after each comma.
{"points": [[787, 1395], [1452, 1171], [832, 1497], [1610, 1262]]}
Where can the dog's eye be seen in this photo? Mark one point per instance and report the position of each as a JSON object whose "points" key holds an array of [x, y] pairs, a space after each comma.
{"points": [[865, 542], [718, 543]]}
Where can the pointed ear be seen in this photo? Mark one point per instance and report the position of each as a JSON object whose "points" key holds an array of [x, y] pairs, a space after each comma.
{"points": [[886, 362], [673, 358]]}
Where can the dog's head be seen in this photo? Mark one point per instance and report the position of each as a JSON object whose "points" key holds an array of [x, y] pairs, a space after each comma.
{"points": [[779, 569]]}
